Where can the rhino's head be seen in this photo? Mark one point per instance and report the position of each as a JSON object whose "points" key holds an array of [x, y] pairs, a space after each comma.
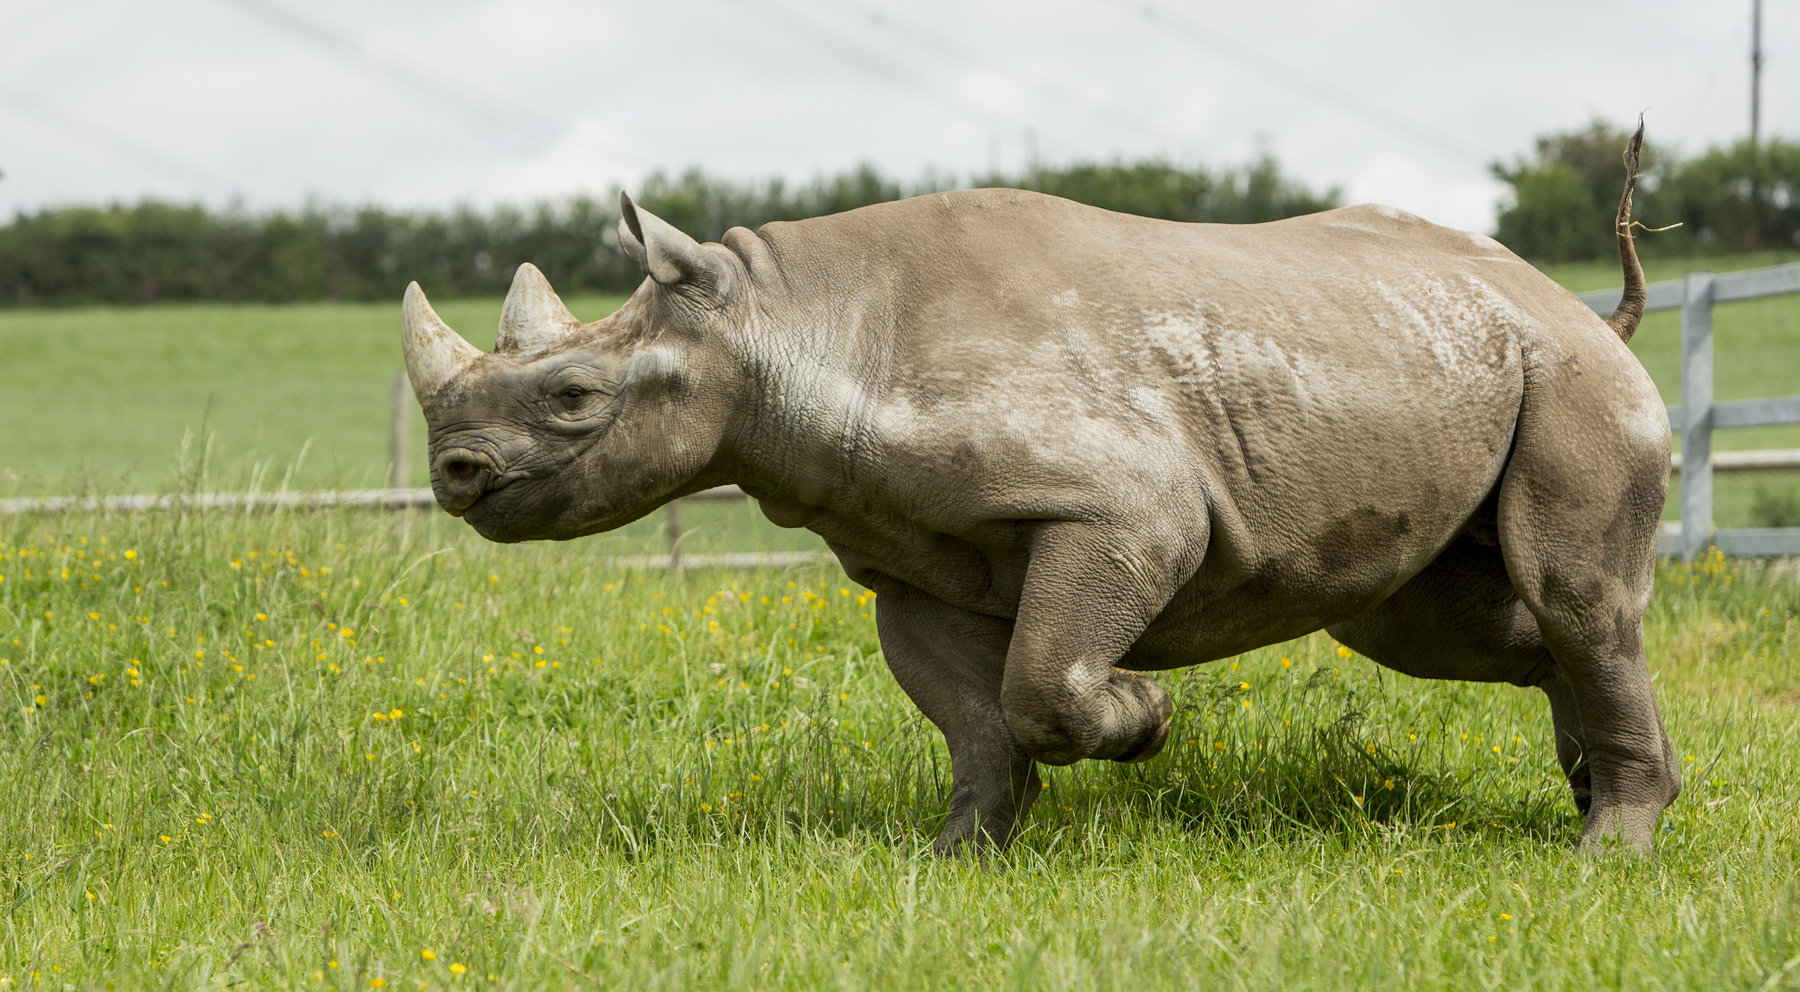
{"points": [[569, 428]]}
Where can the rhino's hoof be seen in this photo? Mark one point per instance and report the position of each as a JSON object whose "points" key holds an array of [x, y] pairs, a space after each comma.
{"points": [[1620, 829], [1150, 748], [1152, 697]]}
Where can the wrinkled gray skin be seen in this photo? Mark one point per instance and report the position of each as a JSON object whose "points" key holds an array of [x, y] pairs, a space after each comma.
{"points": [[1066, 446]]}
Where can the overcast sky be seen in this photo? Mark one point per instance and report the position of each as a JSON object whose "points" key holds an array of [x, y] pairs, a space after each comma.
{"points": [[273, 103]]}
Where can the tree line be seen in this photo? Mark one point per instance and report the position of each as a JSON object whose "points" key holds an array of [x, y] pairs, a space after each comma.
{"points": [[1739, 198], [164, 251], [1745, 197]]}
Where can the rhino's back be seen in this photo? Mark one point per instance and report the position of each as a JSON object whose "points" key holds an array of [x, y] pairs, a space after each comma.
{"points": [[1019, 231], [948, 271]]}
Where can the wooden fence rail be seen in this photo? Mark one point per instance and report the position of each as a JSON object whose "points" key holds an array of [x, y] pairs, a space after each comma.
{"points": [[387, 499]]}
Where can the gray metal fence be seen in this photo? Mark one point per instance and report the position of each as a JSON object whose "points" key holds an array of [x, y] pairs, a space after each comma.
{"points": [[1697, 415]]}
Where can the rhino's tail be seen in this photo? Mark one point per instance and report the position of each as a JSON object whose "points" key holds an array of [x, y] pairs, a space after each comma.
{"points": [[1625, 317]]}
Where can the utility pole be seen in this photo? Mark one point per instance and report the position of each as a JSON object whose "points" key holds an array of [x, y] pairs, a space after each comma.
{"points": [[1755, 70]]}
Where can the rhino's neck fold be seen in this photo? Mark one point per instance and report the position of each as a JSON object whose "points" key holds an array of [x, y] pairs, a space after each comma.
{"points": [[815, 377]]}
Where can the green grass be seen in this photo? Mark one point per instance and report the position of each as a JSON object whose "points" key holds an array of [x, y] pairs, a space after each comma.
{"points": [[320, 750], [119, 397]]}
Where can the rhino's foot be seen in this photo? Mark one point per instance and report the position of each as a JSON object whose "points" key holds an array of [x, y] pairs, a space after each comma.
{"points": [[1620, 829], [1152, 699], [987, 813], [1620, 793], [1627, 804], [1125, 718]]}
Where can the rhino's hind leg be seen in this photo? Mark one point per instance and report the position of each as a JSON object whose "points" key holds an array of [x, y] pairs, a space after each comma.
{"points": [[949, 662], [1571, 742], [1578, 511], [1459, 618]]}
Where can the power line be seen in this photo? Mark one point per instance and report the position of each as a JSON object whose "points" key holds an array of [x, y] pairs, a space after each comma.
{"points": [[871, 60], [1305, 82], [491, 117], [1055, 91], [119, 144]]}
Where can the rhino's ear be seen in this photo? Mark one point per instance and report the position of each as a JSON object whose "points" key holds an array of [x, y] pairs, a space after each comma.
{"points": [[629, 241], [663, 252]]}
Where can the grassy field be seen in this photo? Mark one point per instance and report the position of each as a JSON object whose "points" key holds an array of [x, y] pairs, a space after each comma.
{"points": [[351, 751], [133, 399]]}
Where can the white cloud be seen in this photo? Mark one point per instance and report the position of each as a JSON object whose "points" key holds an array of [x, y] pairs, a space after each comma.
{"points": [[1405, 101]]}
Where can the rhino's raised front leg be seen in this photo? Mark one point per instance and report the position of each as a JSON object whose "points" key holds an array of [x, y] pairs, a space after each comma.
{"points": [[1089, 594], [949, 662]]}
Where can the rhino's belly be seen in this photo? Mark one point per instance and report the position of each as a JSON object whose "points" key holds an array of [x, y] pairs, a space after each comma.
{"points": [[982, 573], [1197, 628], [1294, 583], [1222, 611]]}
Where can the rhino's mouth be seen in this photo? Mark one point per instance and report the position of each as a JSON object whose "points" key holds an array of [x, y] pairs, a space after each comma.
{"points": [[493, 520], [463, 511], [463, 507]]}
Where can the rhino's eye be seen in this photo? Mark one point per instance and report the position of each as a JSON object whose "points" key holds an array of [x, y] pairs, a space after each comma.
{"points": [[571, 398]]}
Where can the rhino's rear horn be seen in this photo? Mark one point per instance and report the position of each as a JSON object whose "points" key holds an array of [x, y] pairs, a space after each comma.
{"points": [[533, 318], [435, 354]]}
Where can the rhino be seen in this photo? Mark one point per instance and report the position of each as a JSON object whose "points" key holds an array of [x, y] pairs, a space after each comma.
{"points": [[1067, 447]]}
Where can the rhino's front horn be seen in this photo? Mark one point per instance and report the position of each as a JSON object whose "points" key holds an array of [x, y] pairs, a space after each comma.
{"points": [[435, 354], [533, 318]]}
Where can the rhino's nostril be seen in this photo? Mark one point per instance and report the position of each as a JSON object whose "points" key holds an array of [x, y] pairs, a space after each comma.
{"points": [[464, 474]]}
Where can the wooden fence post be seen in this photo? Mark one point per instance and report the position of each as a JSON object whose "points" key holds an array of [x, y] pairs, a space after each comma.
{"points": [[674, 522], [399, 430], [1696, 414]]}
